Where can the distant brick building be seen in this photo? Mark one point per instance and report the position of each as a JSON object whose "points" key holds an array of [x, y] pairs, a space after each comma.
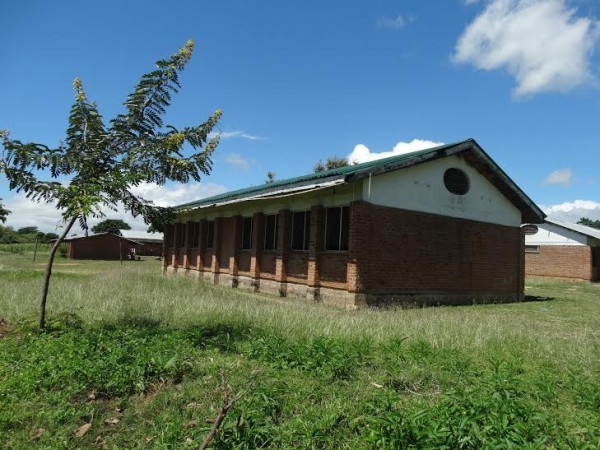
{"points": [[563, 250], [114, 247], [435, 226]]}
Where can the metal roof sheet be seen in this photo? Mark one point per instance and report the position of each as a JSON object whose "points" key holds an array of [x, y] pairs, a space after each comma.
{"points": [[474, 153], [583, 229]]}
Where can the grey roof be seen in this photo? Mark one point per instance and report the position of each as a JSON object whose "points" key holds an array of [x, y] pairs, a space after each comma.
{"points": [[583, 229], [92, 236], [142, 236], [469, 149]]}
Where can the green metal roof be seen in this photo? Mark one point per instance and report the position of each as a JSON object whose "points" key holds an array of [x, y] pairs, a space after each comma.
{"points": [[341, 172], [473, 152]]}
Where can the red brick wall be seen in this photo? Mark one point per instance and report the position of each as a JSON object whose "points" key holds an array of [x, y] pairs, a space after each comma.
{"points": [[297, 265], [332, 268], [99, 247], [399, 250], [267, 264], [244, 262], [227, 243], [565, 261]]}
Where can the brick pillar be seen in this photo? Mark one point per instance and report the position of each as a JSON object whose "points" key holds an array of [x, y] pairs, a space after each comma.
{"points": [[521, 266], [233, 260], [216, 253], [257, 248], [357, 239], [186, 246], [165, 249], [200, 264], [317, 224], [283, 248], [174, 241]]}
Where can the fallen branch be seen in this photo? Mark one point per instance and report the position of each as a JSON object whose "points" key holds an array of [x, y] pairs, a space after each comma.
{"points": [[226, 406]]}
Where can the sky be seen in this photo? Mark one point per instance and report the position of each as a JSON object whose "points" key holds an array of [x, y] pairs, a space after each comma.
{"points": [[301, 81]]}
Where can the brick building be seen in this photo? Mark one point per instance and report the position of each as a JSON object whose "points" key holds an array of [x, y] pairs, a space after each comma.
{"points": [[563, 250], [110, 246], [435, 226]]}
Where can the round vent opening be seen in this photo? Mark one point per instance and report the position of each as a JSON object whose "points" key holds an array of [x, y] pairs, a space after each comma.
{"points": [[456, 181]]}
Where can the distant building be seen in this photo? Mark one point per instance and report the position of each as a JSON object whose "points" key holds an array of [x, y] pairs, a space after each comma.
{"points": [[110, 246], [563, 250], [430, 227]]}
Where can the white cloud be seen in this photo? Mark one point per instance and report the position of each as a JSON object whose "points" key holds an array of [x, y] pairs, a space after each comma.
{"points": [[562, 177], [361, 153], [470, 2], [47, 218], [394, 23], [239, 161], [543, 44], [236, 134], [573, 211]]}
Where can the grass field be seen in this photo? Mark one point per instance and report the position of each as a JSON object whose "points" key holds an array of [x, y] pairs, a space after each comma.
{"points": [[137, 357]]}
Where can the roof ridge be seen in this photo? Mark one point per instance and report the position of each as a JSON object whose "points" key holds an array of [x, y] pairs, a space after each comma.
{"points": [[335, 173]]}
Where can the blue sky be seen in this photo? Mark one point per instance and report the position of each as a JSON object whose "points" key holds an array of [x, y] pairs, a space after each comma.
{"points": [[300, 81]]}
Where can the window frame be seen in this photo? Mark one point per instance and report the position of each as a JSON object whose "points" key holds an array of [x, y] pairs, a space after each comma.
{"points": [[195, 241], [246, 237], [305, 231], [183, 229], [172, 236], [343, 235], [271, 244], [210, 234]]}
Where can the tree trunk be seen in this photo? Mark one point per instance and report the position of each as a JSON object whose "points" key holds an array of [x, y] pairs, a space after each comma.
{"points": [[49, 272]]}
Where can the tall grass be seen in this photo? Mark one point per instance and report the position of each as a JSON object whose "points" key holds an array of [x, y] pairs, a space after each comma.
{"points": [[521, 375]]}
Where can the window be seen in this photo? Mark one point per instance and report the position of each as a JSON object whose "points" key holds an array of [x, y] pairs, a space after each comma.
{"points": [[456, 181], [182, 229], [210, 234], [172, 229], [271, 225], [300, 230], [195, 234], [246, 233], [532, 249], [337, 221]]}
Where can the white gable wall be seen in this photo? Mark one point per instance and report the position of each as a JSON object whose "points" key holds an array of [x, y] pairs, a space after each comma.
{"points": [[549, 234], [421, 188]]}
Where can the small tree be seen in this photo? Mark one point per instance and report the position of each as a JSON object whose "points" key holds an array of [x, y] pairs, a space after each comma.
{"points": [[47, 237], [27, 230], [332, 163], [3, 213], [156, 228], [589, 222], [102, 163], [270, 177], [111, 226]]}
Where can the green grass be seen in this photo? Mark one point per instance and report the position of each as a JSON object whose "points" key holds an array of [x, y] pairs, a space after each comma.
{"points": [[138, 356]]}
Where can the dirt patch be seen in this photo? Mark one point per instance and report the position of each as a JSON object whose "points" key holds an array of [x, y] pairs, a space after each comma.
{"points": [[4, 328]]}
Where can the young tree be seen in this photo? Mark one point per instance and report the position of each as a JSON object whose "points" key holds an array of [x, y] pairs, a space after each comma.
{"points": [[27, 230], [270, 177], [589, 222], [3, 213], [47, 237], [156, 228], [104, 162], [111, 226], [332, 163]]}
